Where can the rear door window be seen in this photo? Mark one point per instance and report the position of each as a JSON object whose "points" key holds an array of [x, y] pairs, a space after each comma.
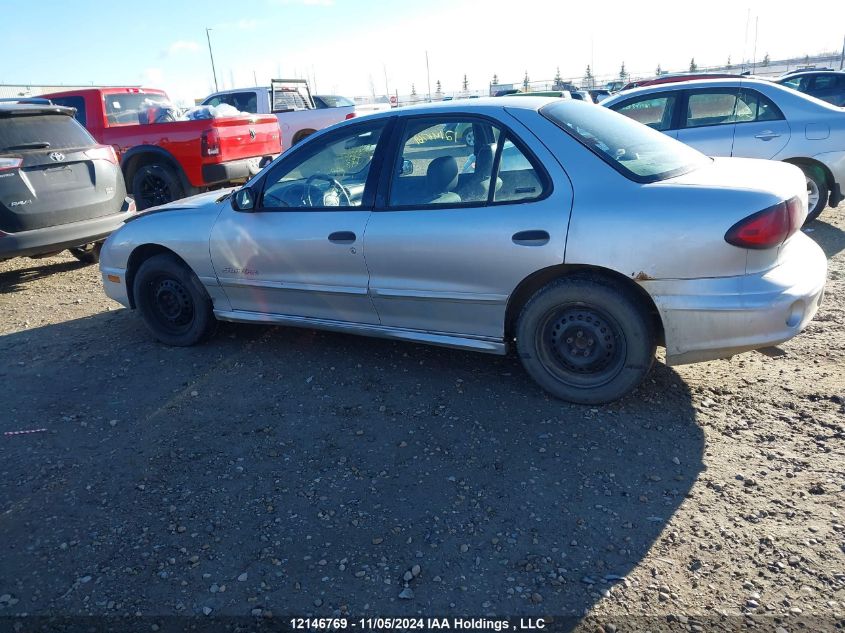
{"points": [[754, 106], [41, 132], [711, 107]]}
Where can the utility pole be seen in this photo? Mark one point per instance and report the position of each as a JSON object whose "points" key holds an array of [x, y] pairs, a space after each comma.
{"points": [[386, 89], [842, 57], [210, 54], [754, 57], [428, 76]]}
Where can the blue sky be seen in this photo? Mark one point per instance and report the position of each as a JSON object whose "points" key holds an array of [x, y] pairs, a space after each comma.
{"points": [[348, 46]]}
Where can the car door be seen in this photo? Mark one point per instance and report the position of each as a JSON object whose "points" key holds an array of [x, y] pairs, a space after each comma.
{"points": [[761, 129], [453, 233], [656, 110], [299, 253], [707, 120]]}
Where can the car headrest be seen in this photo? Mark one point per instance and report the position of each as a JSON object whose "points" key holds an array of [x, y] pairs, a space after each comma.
{"points": [[484, 160], [442, 174]]}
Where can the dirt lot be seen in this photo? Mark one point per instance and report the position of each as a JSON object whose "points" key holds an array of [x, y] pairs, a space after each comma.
{"points": [[291, 472]]}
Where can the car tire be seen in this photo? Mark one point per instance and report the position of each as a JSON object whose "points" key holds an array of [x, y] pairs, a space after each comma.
{"points": [[468, 138], [156, 184], [585, 340], [817, 191], [88, 254], [173, 302]]}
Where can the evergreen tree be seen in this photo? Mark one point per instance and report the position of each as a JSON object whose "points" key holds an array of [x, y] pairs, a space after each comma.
{"points": [[728, 65], [525, 82], [588, 77], [658, 71], [495, 81], [766, 60], [692, 65], [623, 74], [559, 79], [466, 83], [438, 93]]}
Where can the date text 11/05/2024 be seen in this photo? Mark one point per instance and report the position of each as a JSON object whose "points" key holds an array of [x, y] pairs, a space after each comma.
{"points": [[422, 624]]}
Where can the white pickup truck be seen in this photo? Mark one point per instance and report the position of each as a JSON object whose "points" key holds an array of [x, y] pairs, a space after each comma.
{"points": [[291, 101]]}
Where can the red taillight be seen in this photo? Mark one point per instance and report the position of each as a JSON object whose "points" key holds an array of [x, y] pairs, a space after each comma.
{"points": [[10, 162], [767, 228], [102, 152], [211, 142], [351, 115]]}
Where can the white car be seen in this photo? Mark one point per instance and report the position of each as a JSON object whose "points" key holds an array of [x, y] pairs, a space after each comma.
{"points": [[749, 118]]}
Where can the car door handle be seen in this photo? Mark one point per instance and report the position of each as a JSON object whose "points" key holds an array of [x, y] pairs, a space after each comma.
{"points": [[342, 237], [531, 238], [767, 135]]}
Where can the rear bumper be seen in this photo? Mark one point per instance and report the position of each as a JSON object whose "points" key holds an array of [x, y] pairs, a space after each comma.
{"points": [[234, 170], [56, 238], [706, 319]]}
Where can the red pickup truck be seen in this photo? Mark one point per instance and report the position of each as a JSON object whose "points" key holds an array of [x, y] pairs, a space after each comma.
{"points": [[165, 159]]}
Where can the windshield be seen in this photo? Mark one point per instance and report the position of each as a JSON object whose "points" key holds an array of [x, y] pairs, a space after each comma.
{"points": [[132, 108], [633, 149]]}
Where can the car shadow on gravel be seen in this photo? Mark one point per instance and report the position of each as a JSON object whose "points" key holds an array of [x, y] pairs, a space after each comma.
{"points": [[308, 472], [831, 238], [16, 280]]}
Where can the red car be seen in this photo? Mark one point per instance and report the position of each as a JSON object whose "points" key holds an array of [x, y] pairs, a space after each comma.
{"points": [[668, 79], [164, 159]]}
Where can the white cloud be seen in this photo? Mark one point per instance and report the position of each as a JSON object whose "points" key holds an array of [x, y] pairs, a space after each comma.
{"points": [[153, 75], [180, 46]]}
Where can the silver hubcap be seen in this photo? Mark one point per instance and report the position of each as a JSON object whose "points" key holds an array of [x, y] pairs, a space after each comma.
{"points": [[813, 194]]}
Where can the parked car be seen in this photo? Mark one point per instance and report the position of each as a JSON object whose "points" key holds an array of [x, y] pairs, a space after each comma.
{"points": [[749, 118], [290, 101], [826, 85], [344, 106], [670, 78], [599, 94], [59, 189], [164, 159], [609, 240]]}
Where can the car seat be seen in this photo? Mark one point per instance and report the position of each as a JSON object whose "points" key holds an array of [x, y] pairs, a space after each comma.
{"points": [[440, 178], [477, 186]]}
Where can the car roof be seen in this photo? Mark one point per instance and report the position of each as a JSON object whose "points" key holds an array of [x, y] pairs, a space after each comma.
{"points": [[33, 109], [693, 83], [819, 71]]}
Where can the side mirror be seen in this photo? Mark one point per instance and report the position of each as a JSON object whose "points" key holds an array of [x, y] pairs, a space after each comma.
{"points": [[243, 199], [407, 168]]}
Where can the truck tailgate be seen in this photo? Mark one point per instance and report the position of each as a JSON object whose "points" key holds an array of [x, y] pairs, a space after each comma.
{"points": [[246, 138]]}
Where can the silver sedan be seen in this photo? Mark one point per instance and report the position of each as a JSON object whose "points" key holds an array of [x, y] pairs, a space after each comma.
{"points": [[595, 241], [750, 118]]}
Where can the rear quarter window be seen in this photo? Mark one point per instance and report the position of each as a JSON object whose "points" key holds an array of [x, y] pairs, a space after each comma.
{"points": [[60, 131]]}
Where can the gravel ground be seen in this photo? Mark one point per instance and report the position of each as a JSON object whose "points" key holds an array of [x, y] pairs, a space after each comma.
{"points": [[294, 472]]}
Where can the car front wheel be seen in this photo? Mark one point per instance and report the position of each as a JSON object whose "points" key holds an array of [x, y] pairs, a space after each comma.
{"points": [[173, 302], [584, 340]]}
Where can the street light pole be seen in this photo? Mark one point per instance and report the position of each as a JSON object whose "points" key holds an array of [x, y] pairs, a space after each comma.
{"points": [[210, 54], [428, 76]]}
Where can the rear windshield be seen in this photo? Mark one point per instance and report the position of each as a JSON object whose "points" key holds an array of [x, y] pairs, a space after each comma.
{"points": [[633, 149], [131, 108], [43, 131], [333, 101]]}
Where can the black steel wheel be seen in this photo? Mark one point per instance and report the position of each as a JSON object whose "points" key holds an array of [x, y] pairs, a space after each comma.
{"points": [[585, 340], [172, 301]]}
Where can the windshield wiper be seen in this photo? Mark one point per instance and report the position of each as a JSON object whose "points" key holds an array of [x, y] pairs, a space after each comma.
{"points": [[32, 145]]}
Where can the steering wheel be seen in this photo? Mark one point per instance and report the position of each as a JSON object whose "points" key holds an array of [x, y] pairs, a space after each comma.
{"points": [[332, 183]]}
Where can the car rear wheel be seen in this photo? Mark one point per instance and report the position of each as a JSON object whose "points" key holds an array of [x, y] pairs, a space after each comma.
{"points": [[817, 192], [585, 340], [88, 254], [173, 302], [155, 184]]}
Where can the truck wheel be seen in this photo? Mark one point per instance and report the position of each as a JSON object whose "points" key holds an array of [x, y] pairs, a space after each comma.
{"points": [[817, 192], [302, 135], [155, 184]]}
